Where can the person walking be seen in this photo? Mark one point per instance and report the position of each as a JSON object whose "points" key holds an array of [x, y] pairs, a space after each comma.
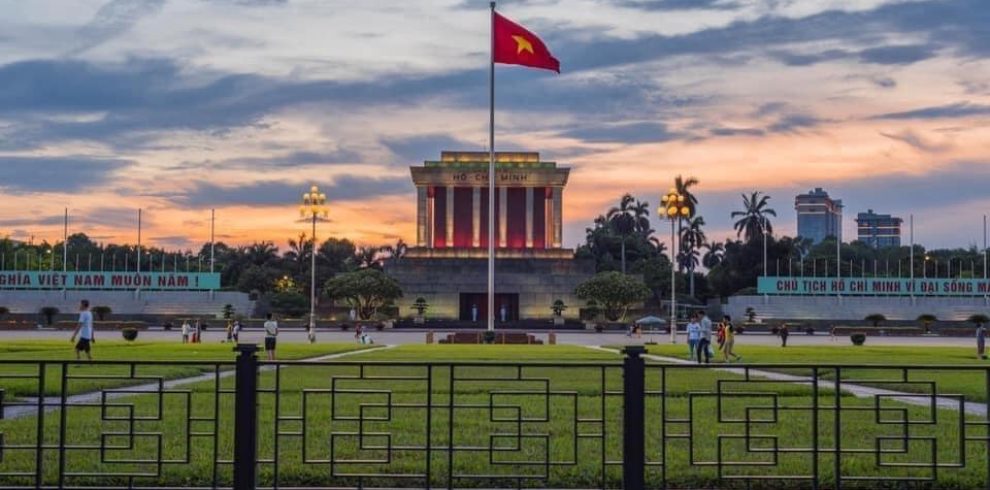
{"points": [[271, 333], [84, 330], [981, 342], [237, 331], [693, 335], [705, 342], [198, 332], [729, 331], [784, 332], [185, 332], [230, 332]]}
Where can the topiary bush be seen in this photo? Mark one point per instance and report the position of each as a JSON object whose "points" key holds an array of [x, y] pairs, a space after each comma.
{"points": [[49, 313], [809, 331], [489, 337], [875, 319], [858, 338], [129, 334], [101, 312]]}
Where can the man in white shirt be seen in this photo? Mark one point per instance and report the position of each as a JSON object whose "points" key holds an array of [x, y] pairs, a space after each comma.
{"points": [[706, 339], [84, 329], [185, 332], [693, 335], [271, 332]]}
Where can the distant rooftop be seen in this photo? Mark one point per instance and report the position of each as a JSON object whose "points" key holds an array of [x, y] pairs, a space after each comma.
{"points": [[480, 158]]}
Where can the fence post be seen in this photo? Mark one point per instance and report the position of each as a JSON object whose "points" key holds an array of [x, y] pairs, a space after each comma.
{"points": [[633, 414], [245, 417]]}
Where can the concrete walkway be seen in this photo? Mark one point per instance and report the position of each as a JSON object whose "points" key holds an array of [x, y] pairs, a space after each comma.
{"points": [[859, 391], [29, 406]]}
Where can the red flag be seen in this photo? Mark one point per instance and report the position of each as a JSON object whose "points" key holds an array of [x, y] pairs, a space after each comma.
{"points": [[514, 45]]}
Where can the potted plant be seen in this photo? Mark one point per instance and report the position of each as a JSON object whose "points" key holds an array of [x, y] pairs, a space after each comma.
{"points": [[875, 318], [49, 313], [591, 312], [489, 337], [978, 319], [129, 334], [101, 312], [228, 311], [926, 320], [858, 338], [420, 306], [750, 314], [4, 311], [558, 308], [809, 330]]}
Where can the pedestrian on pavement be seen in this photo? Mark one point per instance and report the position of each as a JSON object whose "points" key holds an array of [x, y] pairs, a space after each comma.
{"points": [[981, 342], [237, 331], [705, 342], [694, 335], [784, 332], [230, 331], [271, 333], [729, 330], [185, 332], [84, 330]]}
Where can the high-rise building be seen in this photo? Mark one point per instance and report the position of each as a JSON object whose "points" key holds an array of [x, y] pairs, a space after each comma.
{"points": [[818, 215], [878, 230]]}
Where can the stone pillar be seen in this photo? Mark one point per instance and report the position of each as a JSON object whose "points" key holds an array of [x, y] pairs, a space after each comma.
{"points": [[421, 216], [558, 219], [450, 216], [529, 217], [503, 209], [430, 211], [476, 223]]}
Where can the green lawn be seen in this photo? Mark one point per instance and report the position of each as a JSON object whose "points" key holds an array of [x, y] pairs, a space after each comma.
{"points": [[507, 420], [971, 383], [88, 377]]}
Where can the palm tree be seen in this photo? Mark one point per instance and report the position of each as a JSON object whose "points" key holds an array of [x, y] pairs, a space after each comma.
{"points": [[683, 187], [369, 257], [692, 239], [261, 253], [659, 246], [753, 220], [715, 253], [395, 252], [622, 220]]}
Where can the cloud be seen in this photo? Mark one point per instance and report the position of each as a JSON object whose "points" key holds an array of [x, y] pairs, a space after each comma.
{"points": [[897, 55], [21, 175], [736, 132], [957, 110], [112, 19], [281, 193], [915, 141], [290, 160], [640, 132], [412, 149], [792, 123]]}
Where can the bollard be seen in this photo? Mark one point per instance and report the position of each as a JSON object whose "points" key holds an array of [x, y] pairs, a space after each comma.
{"points": [[633, 413], [246, 417]]}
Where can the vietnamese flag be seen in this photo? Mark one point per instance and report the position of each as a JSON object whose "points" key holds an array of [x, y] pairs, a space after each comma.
{"points": [[514, 45]]}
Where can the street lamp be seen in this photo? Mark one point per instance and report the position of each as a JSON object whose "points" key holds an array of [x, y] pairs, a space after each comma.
{"points": [[673, 208], [924, 272], [314, 207]]}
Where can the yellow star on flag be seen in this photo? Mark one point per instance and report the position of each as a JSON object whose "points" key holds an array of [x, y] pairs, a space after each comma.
{"points": [[522, 44]]}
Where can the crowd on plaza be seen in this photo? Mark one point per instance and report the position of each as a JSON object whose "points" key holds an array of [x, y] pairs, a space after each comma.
{"points": [[700, 332]]}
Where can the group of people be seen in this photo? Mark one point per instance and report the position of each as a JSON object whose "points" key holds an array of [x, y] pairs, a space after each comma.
{"points": [[700, 332]]}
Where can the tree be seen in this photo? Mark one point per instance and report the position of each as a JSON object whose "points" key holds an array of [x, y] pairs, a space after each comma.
{"points": [[228, 311], [102, 312], [683, 187], [714, 253], [875, 318], [366, 290], [622, 220], [290, 303], [692, 238], [753, 218], [420, 306], [614, 292], [4, 311], [978, 319], [49, 313], [927, 319], [558, 307], [368, 257], [394, 252]]}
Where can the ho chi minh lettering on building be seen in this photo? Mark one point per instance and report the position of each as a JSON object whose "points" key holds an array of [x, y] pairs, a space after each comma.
{"points": [[153, 281], [880, 286]]}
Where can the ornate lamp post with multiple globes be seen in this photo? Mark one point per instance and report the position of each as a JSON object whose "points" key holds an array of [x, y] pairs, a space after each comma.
{"points": [[673, 208], [314, 208]]}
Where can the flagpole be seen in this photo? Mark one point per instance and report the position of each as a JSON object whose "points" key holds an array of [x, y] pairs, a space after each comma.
{"points": [[491, 175]]}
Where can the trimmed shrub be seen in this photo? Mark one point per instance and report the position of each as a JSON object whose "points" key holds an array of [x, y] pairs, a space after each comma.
{"points": [[875, 319], [49, 313], [489, 337], [129, 334], [809, 331], [101, 312], [858, 338]]}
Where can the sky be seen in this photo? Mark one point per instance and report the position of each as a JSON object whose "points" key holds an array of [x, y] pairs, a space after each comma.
{"points": [[181, 106]]}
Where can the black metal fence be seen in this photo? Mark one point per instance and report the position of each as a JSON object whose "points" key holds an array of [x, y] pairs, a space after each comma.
{"points": [[634, 424]]}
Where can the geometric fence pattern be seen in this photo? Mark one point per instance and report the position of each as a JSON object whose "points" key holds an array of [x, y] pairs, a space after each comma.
{"points": [[349, 424]]}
